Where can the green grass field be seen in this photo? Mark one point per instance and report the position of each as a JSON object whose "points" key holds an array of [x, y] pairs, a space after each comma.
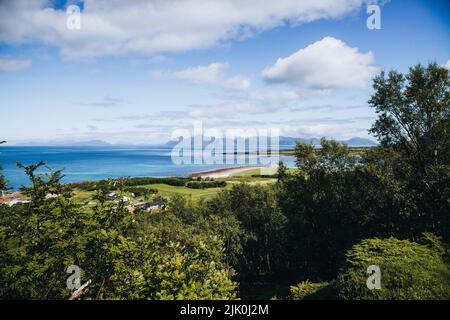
{"points": [[167, 191], [249, 176]]}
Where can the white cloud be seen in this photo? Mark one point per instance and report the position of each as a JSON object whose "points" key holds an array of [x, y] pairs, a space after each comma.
{"points": [[152, 26], [212, 74], [322, 66], [447, 65], [7, 64]]}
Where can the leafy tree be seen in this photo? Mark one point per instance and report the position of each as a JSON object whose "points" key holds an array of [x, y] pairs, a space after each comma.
{"points": [[263, 225], [39, 240], [414, 112], [409, 270], [322, 201], [282, 171], [414, 122], [331, 157]]}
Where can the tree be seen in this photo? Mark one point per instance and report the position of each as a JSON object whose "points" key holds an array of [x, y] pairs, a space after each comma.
{"points": [[414, 112], [262, 224], [39, 240], [323, 201], [414, 122]]}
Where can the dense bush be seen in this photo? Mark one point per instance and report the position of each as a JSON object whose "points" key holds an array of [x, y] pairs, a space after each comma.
{"points": [[409, 270], [206, 184], [263, 228], [112, 184], [125, 255], [178, 182], [310, 291]]}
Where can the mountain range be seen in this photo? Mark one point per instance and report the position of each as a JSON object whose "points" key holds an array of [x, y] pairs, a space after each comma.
{"points": [[284, 142]]}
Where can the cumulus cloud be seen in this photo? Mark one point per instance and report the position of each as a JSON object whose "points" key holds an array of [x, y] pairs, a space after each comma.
{"points": [[115, 27], [322, 66], [8, 64], [447, 65], [212, 74]]}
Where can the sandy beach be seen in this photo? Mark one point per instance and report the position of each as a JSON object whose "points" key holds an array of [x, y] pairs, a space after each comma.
{"points": [[7, 197], [222, 173]]}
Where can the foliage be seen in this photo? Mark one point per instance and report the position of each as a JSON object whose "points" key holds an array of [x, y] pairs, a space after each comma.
{"points": [[38, 241], [414, 122], [206, 184], [337, 197], [121, 257], [262, 222], [327, 206], [307, 290], [128, 182], [409, 270]]}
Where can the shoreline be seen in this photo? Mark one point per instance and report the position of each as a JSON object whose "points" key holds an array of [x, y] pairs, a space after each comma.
{"points": [[216, 173], [222, 173]]}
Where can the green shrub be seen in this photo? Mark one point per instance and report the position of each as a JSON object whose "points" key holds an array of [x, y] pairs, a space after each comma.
{"points": [[127, 182], [206, 184], [409, 270], [309, 291]]}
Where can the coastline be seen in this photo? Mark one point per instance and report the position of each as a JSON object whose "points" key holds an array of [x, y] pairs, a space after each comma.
{"points": [[217, 173], [222, 173]]}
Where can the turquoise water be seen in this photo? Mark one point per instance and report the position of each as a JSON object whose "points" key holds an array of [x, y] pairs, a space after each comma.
{"points": [[96, 163]]}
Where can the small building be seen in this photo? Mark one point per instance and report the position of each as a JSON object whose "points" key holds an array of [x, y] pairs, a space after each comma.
{"points": [[112, 195], [159, 204], [17, 201]]}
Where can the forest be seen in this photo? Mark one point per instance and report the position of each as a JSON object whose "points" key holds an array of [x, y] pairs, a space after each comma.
{"points": [[311, 235]]}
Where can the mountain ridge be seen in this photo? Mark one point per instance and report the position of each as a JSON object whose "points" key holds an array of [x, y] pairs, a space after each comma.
{"points": [[284, 142]]}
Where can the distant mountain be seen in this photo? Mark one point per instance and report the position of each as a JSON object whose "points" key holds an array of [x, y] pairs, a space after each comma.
{"points": [[360, 142], [64, 143], [286, 142], [289, 142], [90, 143]]}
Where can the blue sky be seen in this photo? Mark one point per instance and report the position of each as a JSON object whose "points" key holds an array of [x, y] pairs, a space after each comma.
{"points": [[137, 70]]}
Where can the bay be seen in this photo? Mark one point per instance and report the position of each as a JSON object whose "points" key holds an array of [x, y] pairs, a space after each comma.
{"points": [[97, 163]]}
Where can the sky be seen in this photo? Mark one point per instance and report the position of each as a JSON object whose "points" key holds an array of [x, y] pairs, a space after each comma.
{"points": [[135, 71]]}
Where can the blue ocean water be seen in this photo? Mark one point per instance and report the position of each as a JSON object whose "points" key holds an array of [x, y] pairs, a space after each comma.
{"points": [[96, 163]]}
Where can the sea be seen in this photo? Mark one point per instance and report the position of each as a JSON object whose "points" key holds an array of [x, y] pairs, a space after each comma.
{"points": [[97, 163]]}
